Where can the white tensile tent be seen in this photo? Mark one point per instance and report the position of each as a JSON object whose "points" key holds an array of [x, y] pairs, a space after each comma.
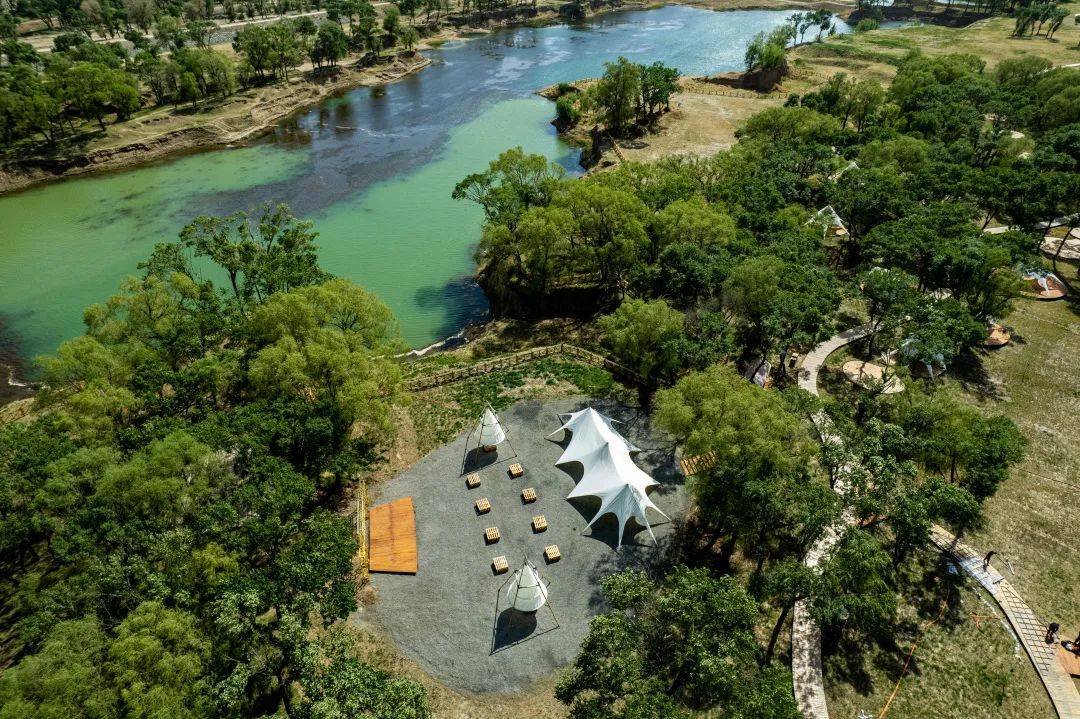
{"points": [[489, 431], [610, 473], [527, 592]]}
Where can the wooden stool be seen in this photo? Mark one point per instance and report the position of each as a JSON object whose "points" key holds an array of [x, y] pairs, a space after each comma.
{"points": [[491, 535], [499, 565], [539, 523], [472, 481], [483, 506], [528, 495], [551, 553], [516, 470]]}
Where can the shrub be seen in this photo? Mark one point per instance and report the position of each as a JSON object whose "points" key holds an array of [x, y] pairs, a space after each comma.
{"points": [[566, 112]]}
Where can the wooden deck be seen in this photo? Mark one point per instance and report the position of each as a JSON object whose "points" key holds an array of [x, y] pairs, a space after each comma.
{"points": [[392, 532], [692, 465], [1069, 661]]}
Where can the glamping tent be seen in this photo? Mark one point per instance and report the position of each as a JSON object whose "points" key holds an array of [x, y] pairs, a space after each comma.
{"points": [[527, 592], [829, 221], [489, 432], [610, 474], [1044, 285]]}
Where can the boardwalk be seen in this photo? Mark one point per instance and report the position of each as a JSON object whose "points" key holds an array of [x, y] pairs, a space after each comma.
{"points": [[806, 667]]}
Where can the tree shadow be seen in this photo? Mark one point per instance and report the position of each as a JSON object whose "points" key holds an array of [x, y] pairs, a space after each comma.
{"points": [[463, 300]]}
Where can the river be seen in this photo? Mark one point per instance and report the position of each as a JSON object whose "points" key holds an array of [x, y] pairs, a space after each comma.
{"points": [[372, 168]]}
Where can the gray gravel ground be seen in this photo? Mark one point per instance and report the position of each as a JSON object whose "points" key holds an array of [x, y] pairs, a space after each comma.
{"points": [[444, 618]]}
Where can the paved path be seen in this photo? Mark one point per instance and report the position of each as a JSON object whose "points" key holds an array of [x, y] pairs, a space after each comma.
{"points": [[806, 667]]}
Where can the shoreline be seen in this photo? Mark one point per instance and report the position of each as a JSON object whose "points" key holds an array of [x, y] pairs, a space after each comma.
{"points": [[18, 175]]}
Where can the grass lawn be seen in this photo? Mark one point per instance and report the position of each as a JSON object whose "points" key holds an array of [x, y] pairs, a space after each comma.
{"points": [[875, 54], [967, 664], [1032, 520]]}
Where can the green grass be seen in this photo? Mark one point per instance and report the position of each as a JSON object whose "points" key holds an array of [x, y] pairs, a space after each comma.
{"points": [[1032, 520], [439, 414], [967, 664]]}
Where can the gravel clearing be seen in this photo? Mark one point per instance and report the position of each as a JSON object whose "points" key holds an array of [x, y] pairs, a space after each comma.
{"points": [[444, 618]]}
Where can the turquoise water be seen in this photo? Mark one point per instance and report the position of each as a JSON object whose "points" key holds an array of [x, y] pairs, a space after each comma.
{"points": [[373, 169]]}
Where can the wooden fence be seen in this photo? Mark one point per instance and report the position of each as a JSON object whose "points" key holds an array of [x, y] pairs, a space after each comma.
{"points": [[701, 89], [509, 361]]}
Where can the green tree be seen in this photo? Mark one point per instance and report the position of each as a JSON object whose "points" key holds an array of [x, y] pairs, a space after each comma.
{"points": [[332, 341], [642, 335], [616, 95], [658, 83], [65, 679], [856, 596], [630, 665], [336, 682], [330, 45], [157, 662], [272, 252], [391, 25], [94, 91]]}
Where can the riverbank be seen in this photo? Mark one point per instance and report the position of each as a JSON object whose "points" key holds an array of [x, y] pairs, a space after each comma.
{"points": [[705, 117], [158, 133], [161, 132]]}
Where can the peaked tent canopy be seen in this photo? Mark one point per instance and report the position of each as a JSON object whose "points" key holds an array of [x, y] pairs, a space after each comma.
{"points": [[829, 220], [490, 431], [527, 592], [610, 473]]}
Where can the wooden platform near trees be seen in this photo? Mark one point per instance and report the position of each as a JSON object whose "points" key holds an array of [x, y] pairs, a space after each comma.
{"points": [[692, 465], [392, 532]]}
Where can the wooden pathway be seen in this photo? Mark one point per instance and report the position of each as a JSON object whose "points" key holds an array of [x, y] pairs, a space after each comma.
{"points": [[392, 537]]}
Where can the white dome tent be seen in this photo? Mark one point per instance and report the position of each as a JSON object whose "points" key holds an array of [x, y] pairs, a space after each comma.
{"points": [[609, 472], [482, 443], [489, 432], [527, 592]]}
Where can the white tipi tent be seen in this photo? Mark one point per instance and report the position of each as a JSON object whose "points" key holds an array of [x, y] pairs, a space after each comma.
{"points": [[610, 474], [527, 592], [489, 431]]}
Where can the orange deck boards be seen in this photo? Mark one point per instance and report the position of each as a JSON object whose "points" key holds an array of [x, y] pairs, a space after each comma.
{"points": [[1070, 661], [392, 532]]}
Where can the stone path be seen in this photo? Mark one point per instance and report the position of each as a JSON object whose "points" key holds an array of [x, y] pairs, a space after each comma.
{"points": [[806, 667]]}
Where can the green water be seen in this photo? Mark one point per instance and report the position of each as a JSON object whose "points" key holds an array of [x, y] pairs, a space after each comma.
{"points": [[373, 169]]}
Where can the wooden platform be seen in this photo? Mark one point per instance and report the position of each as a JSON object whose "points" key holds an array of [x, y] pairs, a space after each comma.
{"points": [[1069, 661], [692, 465], [392, 537]]}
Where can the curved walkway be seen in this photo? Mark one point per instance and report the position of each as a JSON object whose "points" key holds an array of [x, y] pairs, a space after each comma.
{"points": [[806, 667]]}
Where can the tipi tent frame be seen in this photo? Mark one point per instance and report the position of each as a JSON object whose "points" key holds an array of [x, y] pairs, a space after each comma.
{"points": [[465, 469], [514, 612]]}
